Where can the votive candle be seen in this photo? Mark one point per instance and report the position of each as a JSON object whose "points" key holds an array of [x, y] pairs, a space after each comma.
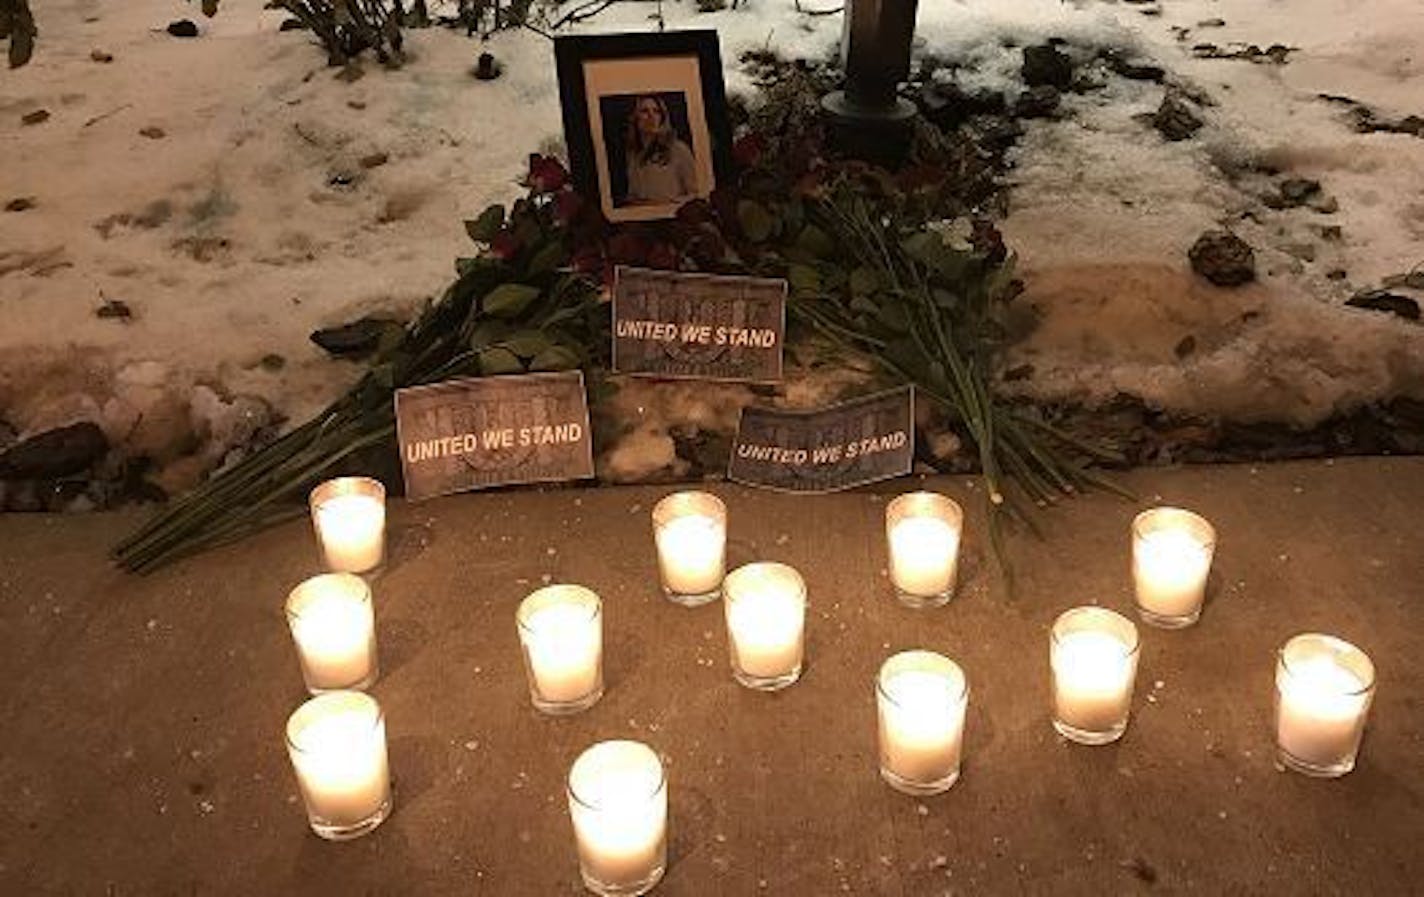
{"points": [[350, 518], [337, 744], [1171, 560], [690, 529], [561, 631], [921, 699], [766, 624], [923, 531], [333, 625], [1324, 687], [1093, 654], [618, 802]]}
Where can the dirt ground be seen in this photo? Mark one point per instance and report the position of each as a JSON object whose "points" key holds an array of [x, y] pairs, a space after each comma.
{"points": [[143, 752]]}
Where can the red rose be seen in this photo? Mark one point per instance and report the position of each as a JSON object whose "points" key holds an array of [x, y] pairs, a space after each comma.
{"points": [[747, 150], [546, 174], [505, 246], [566, 206], [663, 257]]}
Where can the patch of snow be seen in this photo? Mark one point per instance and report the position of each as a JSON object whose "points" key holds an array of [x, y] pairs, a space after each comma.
{"points": [[251, 220]]}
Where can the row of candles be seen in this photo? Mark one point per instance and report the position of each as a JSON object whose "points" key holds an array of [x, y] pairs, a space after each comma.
{"points": [[617, 790]]}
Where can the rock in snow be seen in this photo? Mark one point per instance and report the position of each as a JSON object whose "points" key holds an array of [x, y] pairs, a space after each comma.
{"points": [[1380, 300], [63, 452], [1223, 258], [1175, 119], [1047, 65]]}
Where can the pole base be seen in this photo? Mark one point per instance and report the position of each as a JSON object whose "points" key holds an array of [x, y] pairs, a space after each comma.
{"points": [[845, 110], [879, 134]]}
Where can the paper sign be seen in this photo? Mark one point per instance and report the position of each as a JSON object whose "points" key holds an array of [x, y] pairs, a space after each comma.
{"points": [[835, 448], [702, 326], [493, 431]]}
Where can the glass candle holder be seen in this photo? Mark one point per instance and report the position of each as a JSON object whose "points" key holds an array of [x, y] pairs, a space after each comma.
{"points": [[337, 743], [921, 697], [1324, 686], [561, 631], [1093, 652], [618, 803], [333, 625], [349, 514], [766, 624], [923, 531], [690, 529], [1171, 559]]}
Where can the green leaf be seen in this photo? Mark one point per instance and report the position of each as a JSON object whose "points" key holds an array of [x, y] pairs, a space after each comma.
{"points": [[892, 314], [486, 227], [392, 335], [757, 223], [924, 247], [816, 242], [487, 333], [527, 343], [555, 358], [499, 360], [549, 257], [804, 279], [384, 376], [509, 300], [865, 305], [905, 354], [864, 281]]}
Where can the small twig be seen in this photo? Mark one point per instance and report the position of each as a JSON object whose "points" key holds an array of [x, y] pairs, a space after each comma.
{"points": [[98, 118], [296, 126], [582, 12]]}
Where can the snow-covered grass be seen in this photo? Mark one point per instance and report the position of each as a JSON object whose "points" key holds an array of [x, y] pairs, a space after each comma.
{"points": [[252, 219]]}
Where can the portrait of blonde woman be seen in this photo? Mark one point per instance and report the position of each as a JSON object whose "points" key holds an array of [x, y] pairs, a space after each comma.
{"points": [[660, 164]]}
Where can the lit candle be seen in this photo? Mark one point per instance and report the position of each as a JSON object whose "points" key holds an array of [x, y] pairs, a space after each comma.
{"points": [[337, 742], [766, 624], [923, 530], [350, 518], [1093, 653], [561, 630], [1324, 686], [334, 628], [921, 697], [1171, 558], [618, 803], [690, 529]]}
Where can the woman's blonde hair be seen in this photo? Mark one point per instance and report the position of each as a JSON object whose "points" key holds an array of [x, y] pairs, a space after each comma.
{"points": [[657, 148]]}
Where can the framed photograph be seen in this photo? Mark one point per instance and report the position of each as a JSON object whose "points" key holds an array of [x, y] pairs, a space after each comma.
{"points": [[645, 119]]}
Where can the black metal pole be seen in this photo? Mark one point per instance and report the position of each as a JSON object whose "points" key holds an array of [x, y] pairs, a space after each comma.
{"points": [[875, 49]]}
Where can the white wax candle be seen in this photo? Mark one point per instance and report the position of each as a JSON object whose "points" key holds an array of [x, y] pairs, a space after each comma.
{"points": [[766, 619], [337, 743], [1321, 714], [333, 625], [352, 531], [690, 553], [922, 724], [618, 803], [1093, 674], [1170, 568], [924, 554], [565, 645]]}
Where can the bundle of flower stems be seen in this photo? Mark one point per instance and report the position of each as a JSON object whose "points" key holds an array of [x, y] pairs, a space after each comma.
{"points": [[271, 485], [947, 295]]}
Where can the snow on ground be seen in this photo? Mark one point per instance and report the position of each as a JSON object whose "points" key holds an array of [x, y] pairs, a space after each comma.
{"points": [[1105, 209], [256, 208]]}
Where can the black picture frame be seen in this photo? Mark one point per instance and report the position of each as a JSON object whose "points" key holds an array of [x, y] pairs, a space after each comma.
{"points": [[693, 110]]}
